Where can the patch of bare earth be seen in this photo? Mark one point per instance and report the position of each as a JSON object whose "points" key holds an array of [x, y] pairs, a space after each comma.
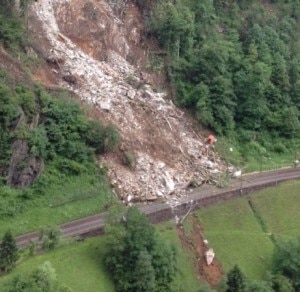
{"points": [[194, 242]]}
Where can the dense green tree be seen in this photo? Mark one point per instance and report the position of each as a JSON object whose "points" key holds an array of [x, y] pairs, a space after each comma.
{"points": [[286, 261], [240, 72], [7, 6], [236, 281], [279, 283], [258, 286], [143, 275], [42, 279], [138, 259], [8, 252], [174, 26], [45, 277]]}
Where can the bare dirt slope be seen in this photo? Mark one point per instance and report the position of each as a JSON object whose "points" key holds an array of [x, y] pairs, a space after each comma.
{"points": [[195, 242], [97, 50]]}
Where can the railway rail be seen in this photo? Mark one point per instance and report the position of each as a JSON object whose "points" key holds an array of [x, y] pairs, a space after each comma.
{"points": [[162, 211]]}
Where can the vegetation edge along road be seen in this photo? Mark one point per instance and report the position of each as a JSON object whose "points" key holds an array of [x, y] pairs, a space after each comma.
{"points": [[161, 211]]}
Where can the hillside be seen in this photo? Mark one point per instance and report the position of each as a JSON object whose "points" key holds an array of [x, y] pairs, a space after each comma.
{"points": [[124, 63], [103, 101], [99, 52]]}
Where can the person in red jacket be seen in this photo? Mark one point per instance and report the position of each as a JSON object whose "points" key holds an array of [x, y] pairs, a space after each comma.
{"points": [[211, 140]]}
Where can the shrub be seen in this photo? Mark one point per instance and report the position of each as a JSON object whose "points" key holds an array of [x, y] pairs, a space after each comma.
{"points": [[129, 159], [49, 237], [112, 138], [279, 148], [69, 167]]}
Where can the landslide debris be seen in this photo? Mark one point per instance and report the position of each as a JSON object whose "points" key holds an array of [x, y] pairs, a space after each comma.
{"points": [[99, 53]]}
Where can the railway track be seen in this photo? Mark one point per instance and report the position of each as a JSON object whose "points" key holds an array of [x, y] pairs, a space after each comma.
{"points": [[161, 211]]}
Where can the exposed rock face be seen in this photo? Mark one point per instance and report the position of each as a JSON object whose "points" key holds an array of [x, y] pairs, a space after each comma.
{"points": [[106, 56], [23, 168]]}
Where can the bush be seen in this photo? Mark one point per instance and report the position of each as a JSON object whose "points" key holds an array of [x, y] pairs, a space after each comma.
{"points": [[11, 32], [69, 167], [112, 138], [279, 148], [49, 237], [42, 279], [129, 159]]}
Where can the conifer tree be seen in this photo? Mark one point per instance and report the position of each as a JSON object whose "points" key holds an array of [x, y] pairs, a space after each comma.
{"points": [[236, 280], [8, 252]]}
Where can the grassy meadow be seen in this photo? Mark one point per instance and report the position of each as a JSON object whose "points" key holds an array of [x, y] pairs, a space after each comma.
{"points": [[236, 235], [78, 266], [231, 228], [77, 197]]}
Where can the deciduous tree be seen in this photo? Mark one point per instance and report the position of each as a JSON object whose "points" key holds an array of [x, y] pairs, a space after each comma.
{"points": [[137, 259]]}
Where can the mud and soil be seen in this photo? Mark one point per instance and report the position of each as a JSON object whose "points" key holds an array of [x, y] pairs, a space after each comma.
{"points": [[194, 242]]}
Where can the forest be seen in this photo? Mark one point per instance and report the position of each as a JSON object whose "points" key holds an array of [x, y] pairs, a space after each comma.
{"points": [[235, 65]]}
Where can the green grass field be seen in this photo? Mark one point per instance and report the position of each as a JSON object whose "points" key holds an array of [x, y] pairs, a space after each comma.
{"points": [[187, 275], [77, 197], [79, 266], [231, 229], [280, 209], [236, 235]]}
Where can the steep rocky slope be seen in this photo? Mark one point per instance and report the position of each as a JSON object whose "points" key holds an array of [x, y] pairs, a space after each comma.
{"points": [[98, 51]]}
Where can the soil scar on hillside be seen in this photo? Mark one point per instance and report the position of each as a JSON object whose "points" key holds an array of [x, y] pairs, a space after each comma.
{"points": [[194, 242]]}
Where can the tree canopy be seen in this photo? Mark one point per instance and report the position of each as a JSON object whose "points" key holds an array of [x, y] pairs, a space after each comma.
{"points": [[286, 262], [8, 252], [235, 64], [137, 258]]}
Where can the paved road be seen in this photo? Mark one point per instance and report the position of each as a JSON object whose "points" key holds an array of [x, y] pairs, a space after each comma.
{"points": [[160, 211]]}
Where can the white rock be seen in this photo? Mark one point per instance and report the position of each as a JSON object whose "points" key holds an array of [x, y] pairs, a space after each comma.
{"points": [[159, 194], [161, 164], [147, 94], [105, 105], [237, 173], [168, 182], [131, 94], [209, 256], [209, 164]]}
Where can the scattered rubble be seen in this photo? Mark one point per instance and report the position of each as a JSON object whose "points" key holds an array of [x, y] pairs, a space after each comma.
{"points": [[169, 150]]}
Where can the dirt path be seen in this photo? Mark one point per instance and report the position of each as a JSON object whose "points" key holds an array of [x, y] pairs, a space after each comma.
{"points": [[194, 242]]}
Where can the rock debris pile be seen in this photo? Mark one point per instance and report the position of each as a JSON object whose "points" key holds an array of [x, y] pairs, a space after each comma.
{"points": [[168, 152]]}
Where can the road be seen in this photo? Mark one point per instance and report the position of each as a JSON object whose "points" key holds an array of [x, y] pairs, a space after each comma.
{"points": [[161, 211]]}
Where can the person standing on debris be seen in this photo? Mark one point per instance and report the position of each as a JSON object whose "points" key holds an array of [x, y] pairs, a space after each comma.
{"points": [[211, 140]]}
